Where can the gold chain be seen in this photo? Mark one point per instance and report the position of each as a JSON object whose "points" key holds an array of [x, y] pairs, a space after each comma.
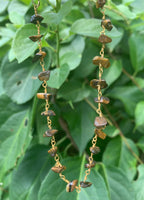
{"points": [[100, 66], [47, 106]]}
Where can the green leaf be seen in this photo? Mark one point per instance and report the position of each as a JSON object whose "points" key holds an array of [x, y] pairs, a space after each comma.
{"points": [[138, 184], [54, 188], [86, 66], [56, 18], [140, 143], [137, 6], [1, 85], [58, 76], [139, 114], [72, 59], [8, 108], [87, 27], [118, 154], [3, 5], [136, 47], [15, 136], [120, 186], [22, 45], [80, 123], [76, 46], [32, 171], [113, 72], [20, 80], [120, 12], [74, 15], [73, 91], [129, 95], [111, 131], [16, 12], [92, 28]]}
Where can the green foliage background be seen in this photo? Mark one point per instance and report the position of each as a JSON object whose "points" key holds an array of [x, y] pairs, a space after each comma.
{"points": [[71, 29]]}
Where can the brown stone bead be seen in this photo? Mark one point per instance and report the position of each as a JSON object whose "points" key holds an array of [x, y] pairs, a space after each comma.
{"points": [[36, 18], [71, 185], [94, 150], [88, 165], [43, 95], [53, 151], [58, 169], [35, 38], [95, 82], [50, 132], [104, 100], [85, 184], [39, 55], [48, 113], [107, 24], [100, 122], [100, 3], [104, 62], [100, 134], [104, 39], [44, 76]]}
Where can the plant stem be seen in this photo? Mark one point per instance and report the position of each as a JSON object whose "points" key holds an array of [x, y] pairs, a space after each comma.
{"points": [[64, 126], [133, 80], [58, 46], [118, 13], [58, 5], [122, 136]]}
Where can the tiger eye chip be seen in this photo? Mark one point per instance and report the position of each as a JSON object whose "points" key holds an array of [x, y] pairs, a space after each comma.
{"points": [[104, 39], [35, 38], [100, 134], [71, 185], [50, 132], [104, 62], [44, 76], [94, 150], [100, 122], [48, 113], [39, 55], [88, 165], [43, 95], [58, 169], [104, 100], [107, 24], [100, 3], [85, 184], [36, 18], [53, 151], [95, 82]]}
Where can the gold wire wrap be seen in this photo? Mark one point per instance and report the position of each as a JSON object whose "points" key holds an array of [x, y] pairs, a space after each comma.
{"points": [[47, 106]]}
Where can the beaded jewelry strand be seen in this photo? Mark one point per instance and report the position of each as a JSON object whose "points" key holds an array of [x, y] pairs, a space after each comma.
{"points": [[100, 122]]}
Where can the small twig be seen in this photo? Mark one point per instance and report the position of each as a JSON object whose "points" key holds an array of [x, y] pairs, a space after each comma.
{"points": [[122, 135], [91, 10], [132, 79], [64, 126], [58, 46], [118, 13]]}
